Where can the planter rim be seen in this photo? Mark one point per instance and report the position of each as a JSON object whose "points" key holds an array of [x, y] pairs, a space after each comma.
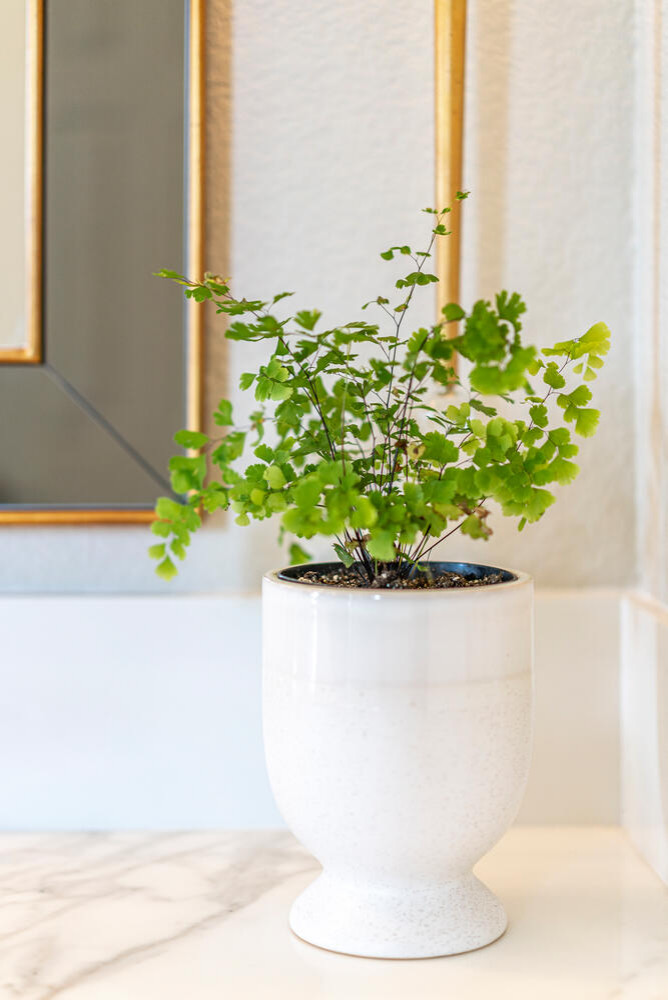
{"points": [[521, 579]]}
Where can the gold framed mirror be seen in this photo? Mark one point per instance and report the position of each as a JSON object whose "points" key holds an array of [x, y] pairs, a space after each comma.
{"points": [[99, 364]]}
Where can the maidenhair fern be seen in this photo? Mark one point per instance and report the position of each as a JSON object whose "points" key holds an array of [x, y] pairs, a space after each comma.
{"points": [[348, 442]]}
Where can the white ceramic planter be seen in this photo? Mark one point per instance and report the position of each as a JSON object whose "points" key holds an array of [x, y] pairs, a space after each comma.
{"points": [[397, 731]]}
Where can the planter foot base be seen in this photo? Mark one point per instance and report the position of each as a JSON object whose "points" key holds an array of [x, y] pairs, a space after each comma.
{"points": [[391, 922]]}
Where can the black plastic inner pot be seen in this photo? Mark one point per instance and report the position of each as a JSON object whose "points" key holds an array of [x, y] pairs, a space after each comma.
{"points": [[470, 571]]}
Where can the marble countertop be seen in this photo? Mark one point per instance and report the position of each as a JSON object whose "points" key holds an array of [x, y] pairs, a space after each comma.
{"points": [[198, 916]]}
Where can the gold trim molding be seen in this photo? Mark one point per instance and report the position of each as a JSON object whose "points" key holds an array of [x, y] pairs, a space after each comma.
{"points": [[73, 516], [449, 59]]}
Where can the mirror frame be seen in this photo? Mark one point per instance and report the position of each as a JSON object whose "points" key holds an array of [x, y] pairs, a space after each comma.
{"points": [[194, 332]]}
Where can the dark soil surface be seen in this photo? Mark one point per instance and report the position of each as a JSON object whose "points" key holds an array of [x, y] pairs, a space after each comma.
{"points": [[423, 579]]}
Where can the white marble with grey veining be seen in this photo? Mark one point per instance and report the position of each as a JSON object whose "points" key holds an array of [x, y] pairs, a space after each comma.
{"points": [[198, 916]]}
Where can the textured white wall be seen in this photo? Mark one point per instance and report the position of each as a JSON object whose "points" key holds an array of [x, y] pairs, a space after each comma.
{"points": [[321, 152], [651, 276], [549, 160]]}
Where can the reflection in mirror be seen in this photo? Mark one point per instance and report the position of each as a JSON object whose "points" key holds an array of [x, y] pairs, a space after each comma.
{"points": [[91, 423], [15, 86]]}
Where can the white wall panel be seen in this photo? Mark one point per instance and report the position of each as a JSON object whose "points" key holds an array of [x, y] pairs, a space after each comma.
{"points": [[144, 712]]}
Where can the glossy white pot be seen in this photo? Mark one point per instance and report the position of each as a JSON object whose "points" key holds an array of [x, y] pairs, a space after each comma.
{"points": [[397, 731]]}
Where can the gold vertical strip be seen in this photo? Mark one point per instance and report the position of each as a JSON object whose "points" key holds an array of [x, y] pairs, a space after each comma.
{"points": [[195, 209], [34, 118], [450, 48]]}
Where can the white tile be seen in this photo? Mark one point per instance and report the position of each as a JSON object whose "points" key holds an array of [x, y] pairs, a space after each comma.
{"points": [[142, 712], [644, 724]]}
